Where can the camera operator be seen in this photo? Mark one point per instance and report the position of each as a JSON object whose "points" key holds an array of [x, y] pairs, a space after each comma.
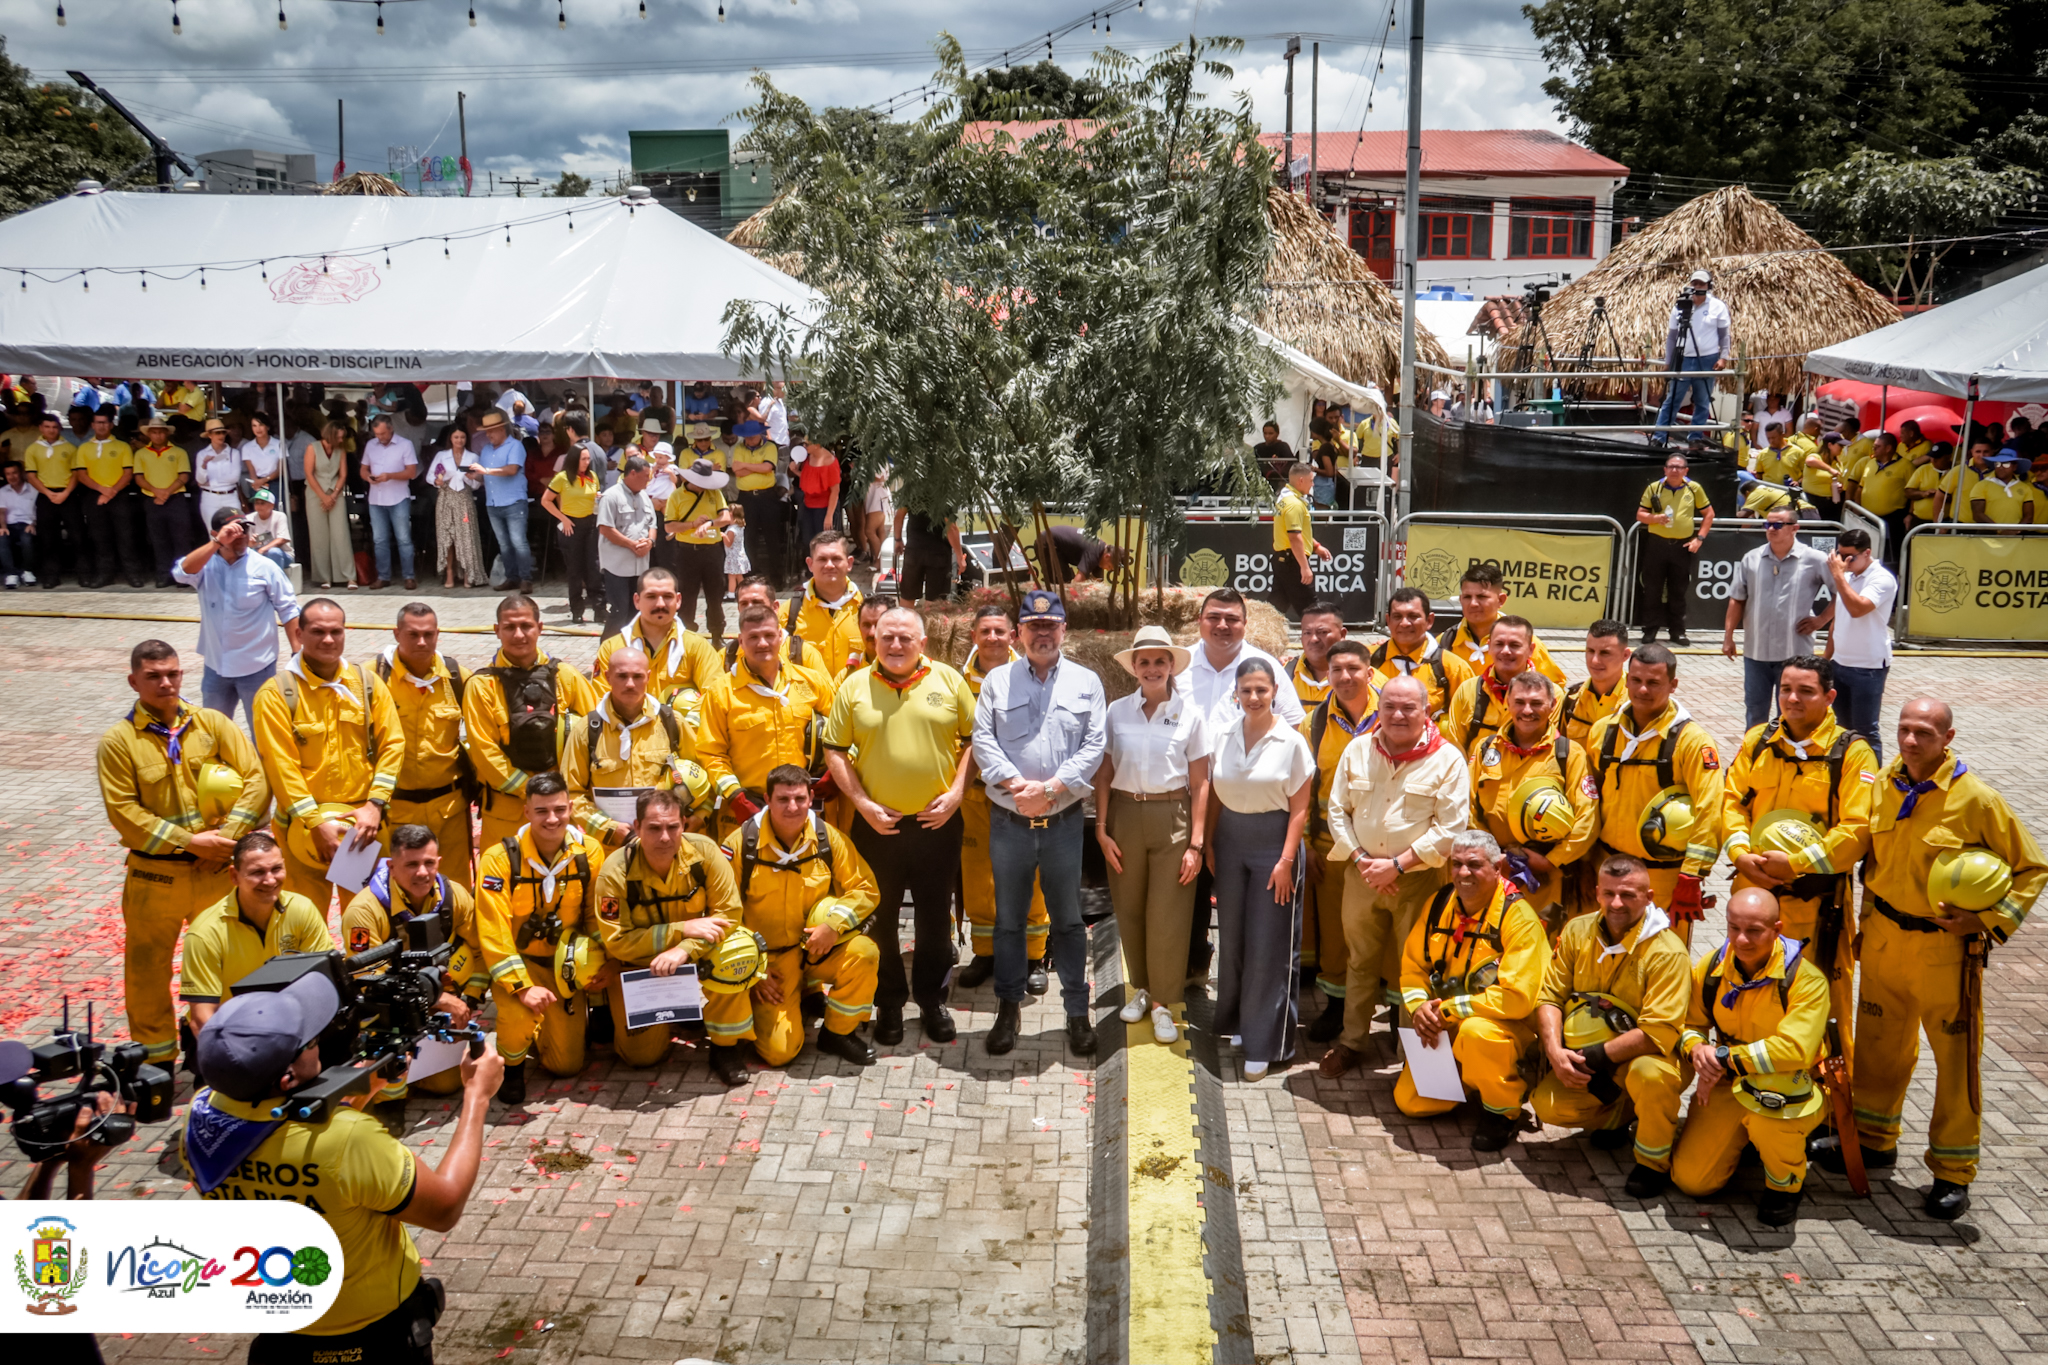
{"points": [[1696, 340], [259, 1048]]}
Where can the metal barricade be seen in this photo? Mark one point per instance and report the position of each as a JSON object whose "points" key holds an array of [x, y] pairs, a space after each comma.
{"points": [[1231, 545], [1445, 575], [1710, 584], [1969, 585]]}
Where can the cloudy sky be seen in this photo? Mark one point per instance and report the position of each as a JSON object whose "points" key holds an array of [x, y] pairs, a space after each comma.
{"points": [[544, 99]]}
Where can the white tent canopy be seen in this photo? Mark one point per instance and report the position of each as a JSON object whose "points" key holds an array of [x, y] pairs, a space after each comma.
{"points": [[1303, 379], [350, 288], [1998, 336]]}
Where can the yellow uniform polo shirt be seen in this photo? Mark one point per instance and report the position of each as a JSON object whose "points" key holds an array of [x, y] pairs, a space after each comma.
{"points": [[1765, 499], [1919, 454], [1921, 487], [1960, 483], [576, 498], [1883, 486], [1817, 483], [105, 460], [1290, 514], [742, 452], [1777, 464], [353, 1173], [2005, 503], [690, 506], [158, 470], [1684, 503], [223, 946], [50, 463], [904, 741]]}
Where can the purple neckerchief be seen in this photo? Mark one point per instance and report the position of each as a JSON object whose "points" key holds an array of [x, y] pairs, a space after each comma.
{"points": [[216, 1142], [1915, 790]]}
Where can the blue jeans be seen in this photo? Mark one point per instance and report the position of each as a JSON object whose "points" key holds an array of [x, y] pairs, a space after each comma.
{"points": [[1702, 391], [1759, 691], [388, 520], [1859, 700], [508, 524], [220, 694], [1324, 491], [1017, 853], [280, 557]]}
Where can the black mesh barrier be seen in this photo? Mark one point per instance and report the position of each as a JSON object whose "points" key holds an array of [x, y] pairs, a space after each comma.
{"points": [[1470, 467]]}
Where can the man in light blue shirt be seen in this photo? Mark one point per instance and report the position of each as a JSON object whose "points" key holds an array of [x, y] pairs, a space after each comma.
{"points": [[501, 459], [243, 599], [1039, 731]]}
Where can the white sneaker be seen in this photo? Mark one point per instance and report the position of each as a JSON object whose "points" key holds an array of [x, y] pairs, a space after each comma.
{"points": [[1163, 1028], [14, 580], [1134, 1008], [1255, 1071], [28, 577]]}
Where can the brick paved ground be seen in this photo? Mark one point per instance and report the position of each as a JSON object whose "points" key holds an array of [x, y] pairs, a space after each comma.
{"points": [[938, 1207]]}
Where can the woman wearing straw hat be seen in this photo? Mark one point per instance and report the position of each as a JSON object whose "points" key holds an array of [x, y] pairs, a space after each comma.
{"points": [[1151, 804], [696, 518], [1260, 787]]}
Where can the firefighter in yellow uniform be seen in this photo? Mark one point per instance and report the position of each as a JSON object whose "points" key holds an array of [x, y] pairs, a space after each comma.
{"points": [[517, 713], [427, 687], [410, 885], [770, 710], [665, 899], [328, 734], [180, 785], [1411, 651], [1479, 708], [531, 889], [677, 658], [1612, 1007], [1659, 776], [257, 920], [1532, 790], [629, 744], [1482, 592], [1602, 692], [1472, 967], [1796, 816], [1923, 960], [805, 891], [994, 645], [1754, 1031], [826, 613], [1322, 625], [1331, 724]]}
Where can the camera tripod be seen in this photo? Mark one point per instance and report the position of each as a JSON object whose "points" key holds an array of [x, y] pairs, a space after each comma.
{"points": [[1598, 333]]}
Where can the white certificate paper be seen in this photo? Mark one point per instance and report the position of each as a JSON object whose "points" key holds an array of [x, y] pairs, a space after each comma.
{"points": [[1433, 1069], [652, 999], [435, 1058], [620, 803], [352, 867]]}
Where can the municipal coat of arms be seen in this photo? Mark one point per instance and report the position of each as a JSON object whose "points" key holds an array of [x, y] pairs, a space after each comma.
{"points": [[50, 1275]]}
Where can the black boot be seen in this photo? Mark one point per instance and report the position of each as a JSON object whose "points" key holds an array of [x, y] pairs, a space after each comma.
{"points": [[1947, 1201], [849, 1047], [975, 973], [1777, 1208], [1035, 980], [1002, 1035], [1645, 1183], [512, 1088], [889, 1025], [727, 1066], [1494, 1131], [1081, 1035], [1329, 1023], [937, 1023], [1829, 1158]]}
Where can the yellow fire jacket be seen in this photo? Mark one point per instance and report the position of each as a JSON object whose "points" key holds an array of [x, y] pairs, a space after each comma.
{"points": [[1773, 1031], [1629, 781], [1448, 953], [684, 659], [1960, 810], [1441, 671], [1460, 640], [649, 761], [639, 910], [513, 903], [153, 803], [431, 717], [1651, 977], [834, 629], [484, 712], [367, 922], [1833, 781], [1480, 708], [1498, 770], [785, 882], [1585, 704], [334, 745], [747, 727]]}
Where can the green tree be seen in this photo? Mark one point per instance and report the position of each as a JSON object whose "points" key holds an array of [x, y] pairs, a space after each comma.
{"points": [[571, 186], [1020, 323], [1916, 206], [1046, 90], [53, 136], [1705, 92]]}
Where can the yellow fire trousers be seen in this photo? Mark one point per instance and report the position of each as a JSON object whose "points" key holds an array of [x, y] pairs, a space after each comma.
{"points": [[1913, 981], [1489, 1054], [448, 817], [558, 1029], [1322, 923], [1650, 1085], [850, 971], [978, 885], [1714, 1136], [158, 900]]}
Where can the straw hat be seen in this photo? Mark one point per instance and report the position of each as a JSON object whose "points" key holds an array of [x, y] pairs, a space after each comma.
{"points": [[700, 431], [651, 426], [214, 424], [1155, 637], [491, 420]]}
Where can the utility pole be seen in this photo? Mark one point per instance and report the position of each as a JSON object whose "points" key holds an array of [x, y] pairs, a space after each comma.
{"points": [[1411, 237], [340, 140], [1293, 51], [1315, 73], [462, 122], [519, 186]]}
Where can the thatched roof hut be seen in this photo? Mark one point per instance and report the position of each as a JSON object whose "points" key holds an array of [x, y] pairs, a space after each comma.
{"points": [[1787, 294], [1322, 298], [367, 182], [750, 235]]}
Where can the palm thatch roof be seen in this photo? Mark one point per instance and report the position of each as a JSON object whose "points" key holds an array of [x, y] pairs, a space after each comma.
{"points": [[367, 182], [1322, 298], [1786, 293], [751, 235]]}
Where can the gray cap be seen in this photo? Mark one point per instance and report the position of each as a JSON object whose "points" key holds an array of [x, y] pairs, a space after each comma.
{"points": [[252, 1040]]}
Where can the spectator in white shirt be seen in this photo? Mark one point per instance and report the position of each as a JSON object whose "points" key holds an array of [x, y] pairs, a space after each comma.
{"points": [[1860, 634], [262, 455], [217, 469], [270, 531], [1151, 804], [390, 463], [774, 415], [17, 527]]}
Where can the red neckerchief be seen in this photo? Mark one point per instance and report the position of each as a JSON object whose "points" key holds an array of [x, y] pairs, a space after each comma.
{"points": [[1542, 745], [1429, 744], [917, 676], [1497, 690], [1472, 924]]}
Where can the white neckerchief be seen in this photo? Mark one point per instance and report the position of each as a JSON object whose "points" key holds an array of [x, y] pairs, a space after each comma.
{"points": [[785, 857], [568, 859], [626, 727], [399, 669], [835, 605], [340, 670], [1798, 745], [1635, 741], [1653, 922], [778, 693], [675, 644]]}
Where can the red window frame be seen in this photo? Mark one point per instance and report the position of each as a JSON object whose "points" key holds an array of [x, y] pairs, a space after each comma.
{"points": [[1454, 231], [1550, 229]]}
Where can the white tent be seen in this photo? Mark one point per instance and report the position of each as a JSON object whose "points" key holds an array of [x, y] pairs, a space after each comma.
{"points": [[354, 288], [1303, 379], [1998, 337]]}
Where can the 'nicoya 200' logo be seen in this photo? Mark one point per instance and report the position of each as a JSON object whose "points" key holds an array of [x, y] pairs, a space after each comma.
{"points": [[162, 1270], [49, 1274]]}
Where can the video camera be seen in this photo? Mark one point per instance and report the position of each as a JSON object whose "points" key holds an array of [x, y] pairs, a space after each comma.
{"points": [[384, 1016], [43, 1128]]}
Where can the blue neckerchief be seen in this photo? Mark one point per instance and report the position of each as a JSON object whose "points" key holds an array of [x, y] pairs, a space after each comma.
{"points": [[380, 887], [216, 1142], [173, 738], [1793, 947], [1915, 790]]}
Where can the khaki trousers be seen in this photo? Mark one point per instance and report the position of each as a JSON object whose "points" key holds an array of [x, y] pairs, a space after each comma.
{"points": [[1154, 912], [1376, 923]]}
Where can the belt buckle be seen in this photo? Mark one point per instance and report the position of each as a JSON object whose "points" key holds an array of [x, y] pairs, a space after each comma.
{"points": [[1040, 822]]}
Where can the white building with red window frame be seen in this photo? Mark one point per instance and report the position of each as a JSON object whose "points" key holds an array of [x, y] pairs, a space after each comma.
{"points": [[1502, 208]]}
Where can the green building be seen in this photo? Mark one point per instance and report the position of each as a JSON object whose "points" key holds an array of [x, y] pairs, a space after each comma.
{"points": [[692, 172]]}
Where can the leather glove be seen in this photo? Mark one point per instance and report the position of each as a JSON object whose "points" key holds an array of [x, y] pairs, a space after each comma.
{"points": [[1604, 1087], [1686, 902], [742, 805]]}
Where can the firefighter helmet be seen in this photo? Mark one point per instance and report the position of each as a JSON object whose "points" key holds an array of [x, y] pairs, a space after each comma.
{"points": [[1591, 1018], [687, 702], [739, 960], [1968, 879], [1667, 823], [1785, 831], [692, 787], [1539, 811], [219, 788]]}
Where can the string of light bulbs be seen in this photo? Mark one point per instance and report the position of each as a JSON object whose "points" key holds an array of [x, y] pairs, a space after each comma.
{"points": [[283, 24], [1099, 20]]}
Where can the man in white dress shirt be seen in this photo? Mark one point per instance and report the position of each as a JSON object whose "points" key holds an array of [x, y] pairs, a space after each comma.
{"points": [[390, 464]]}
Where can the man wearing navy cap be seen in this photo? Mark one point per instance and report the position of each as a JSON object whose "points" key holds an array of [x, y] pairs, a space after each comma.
{"points": [[1039, 731], [256, 1050]]}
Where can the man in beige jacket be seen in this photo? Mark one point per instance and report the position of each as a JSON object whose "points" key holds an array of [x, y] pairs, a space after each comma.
{"points": [[1398, 798]]}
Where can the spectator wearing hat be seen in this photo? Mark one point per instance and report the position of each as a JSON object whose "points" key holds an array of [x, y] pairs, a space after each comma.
{"points": [[2007, 497], [390, 464], [243, 599], [1695, 342], [162, 471], [501, 463], [1151, 799], [752, 462], [696, 517], [1039, 734], [217, 472], [270, 531]]}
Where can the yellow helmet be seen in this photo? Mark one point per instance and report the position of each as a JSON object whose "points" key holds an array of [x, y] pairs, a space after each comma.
{"points": [[299, 836], [1594, 1019], [839, 914], [1667, 823], [686, 701], [219, 788], [1785, 831], [1968, 879], [1539, 811], [692, 786], [739, 960], [578, 960]]}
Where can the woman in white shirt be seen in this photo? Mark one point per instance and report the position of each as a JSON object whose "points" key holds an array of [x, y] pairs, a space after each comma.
{"points": [[262, 454], [457, 547], [1260, 788], [1151, 803]]}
